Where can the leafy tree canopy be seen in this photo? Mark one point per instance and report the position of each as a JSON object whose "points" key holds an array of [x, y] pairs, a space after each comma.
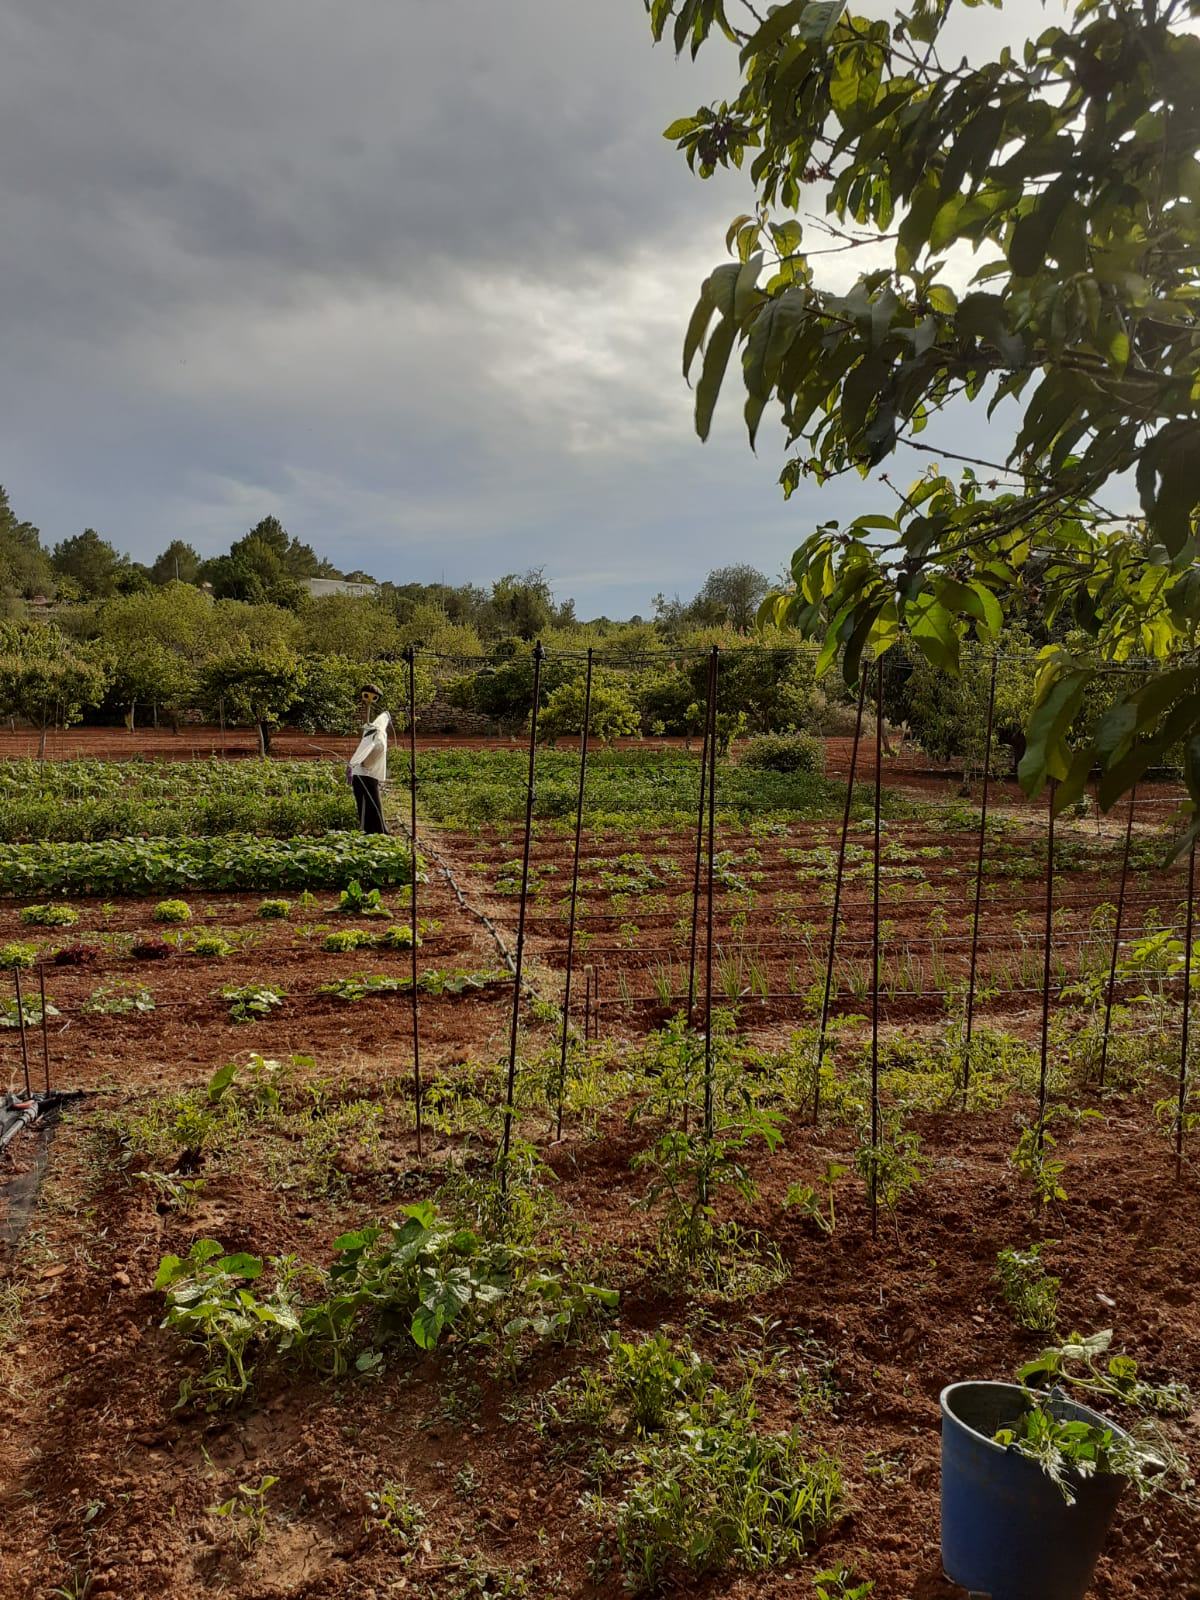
{"points": [[1069, 168], [179, 563], [24, 565], [89, 564]]}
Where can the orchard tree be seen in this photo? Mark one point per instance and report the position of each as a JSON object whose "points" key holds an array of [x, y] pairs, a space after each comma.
{"points": [[612, 714], [732, 594], [46, 678], [256, 686], [1069, 167]]}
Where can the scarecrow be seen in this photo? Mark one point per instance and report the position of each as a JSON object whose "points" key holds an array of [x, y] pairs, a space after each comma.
{"points": [[368, 765]]}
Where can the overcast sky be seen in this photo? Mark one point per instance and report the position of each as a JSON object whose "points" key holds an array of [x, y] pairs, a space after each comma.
{"points": [[410, 274]]}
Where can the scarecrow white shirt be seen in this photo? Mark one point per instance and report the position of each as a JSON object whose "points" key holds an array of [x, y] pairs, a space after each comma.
{"points": [[370, 759]]}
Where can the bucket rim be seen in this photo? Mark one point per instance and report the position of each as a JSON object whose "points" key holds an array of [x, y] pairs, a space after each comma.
{"points": [[1085, 1412]]}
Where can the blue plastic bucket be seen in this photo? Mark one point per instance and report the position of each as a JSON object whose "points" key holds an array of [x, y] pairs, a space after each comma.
{"points": [[1007, 1532]]}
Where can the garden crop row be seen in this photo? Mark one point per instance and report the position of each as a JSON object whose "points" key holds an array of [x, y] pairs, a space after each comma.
{"points": [[110, 800], [230, 861]]}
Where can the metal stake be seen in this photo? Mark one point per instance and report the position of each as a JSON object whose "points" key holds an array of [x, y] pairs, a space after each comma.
{"points": [[708, 701], [1041, 1126], [21, 1026], [837, 899], [410, 655], [539, 655], [45, 1026], [708, 943], [1187, 1008], [983, 811], [566, 1015], [875, 958], [1116, 945]]}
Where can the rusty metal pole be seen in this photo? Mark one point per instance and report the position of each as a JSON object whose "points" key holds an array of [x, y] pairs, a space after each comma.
{"points": [[983, 811], [566, 1016], [410, 655], [837, 899], [1041, 1124], [539, 655], [875, 958], [1116, 944], [1187, 1009]]}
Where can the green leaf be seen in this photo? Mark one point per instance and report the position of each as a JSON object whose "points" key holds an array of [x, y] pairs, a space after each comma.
{"points": [[716, 359]]}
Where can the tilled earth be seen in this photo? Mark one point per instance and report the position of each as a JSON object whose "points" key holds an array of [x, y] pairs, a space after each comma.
{"points": [[109, 1488]]}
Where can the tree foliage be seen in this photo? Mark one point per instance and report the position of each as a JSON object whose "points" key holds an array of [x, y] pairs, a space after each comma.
{"points": [[1069, 168]]}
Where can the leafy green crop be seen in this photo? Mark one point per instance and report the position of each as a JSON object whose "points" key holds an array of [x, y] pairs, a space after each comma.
{"points": [[234, 861], [249, 1001], [172, 911], [50, 916]]}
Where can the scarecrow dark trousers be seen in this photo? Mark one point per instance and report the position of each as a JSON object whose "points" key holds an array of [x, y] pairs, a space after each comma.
{"points": [[369, 803]]}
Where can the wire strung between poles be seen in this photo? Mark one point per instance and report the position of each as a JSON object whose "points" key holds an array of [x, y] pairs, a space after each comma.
{"points": [[410, 655], [539, 656], [875, 957], [1181, 1110], [1041, 1122], [566, 1010], [1116, 944], [708, 943], [983, 811], [827, 993]]}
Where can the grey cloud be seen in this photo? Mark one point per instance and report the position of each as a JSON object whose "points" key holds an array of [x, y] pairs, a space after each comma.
{"points": [[411, 275]]}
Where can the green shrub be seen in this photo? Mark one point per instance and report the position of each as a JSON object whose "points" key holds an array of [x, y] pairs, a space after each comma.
{"points": [[172, 911], [784, 752]]}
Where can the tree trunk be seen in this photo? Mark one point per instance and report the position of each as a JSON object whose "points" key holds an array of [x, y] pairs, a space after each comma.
{"points": [[42, 743], [264, 739]]}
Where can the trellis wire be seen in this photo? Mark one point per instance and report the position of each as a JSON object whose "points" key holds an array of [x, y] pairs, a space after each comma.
{"points": [[1041, 1121], [708, 941], [708, 701], [837, 900], [519, 955], [983, 811], [1116, 944], [566, 1010], [1181, 1112], [410, 656], [875, 958]]}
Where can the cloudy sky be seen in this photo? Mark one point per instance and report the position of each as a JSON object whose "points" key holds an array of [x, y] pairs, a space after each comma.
{"points": [[410, 274]]}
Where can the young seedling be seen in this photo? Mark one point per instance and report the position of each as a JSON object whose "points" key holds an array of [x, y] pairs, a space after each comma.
{"points": [[246, 1510], [250, 1001], [806, 1199], [1029, 1291], [269, 909]]}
